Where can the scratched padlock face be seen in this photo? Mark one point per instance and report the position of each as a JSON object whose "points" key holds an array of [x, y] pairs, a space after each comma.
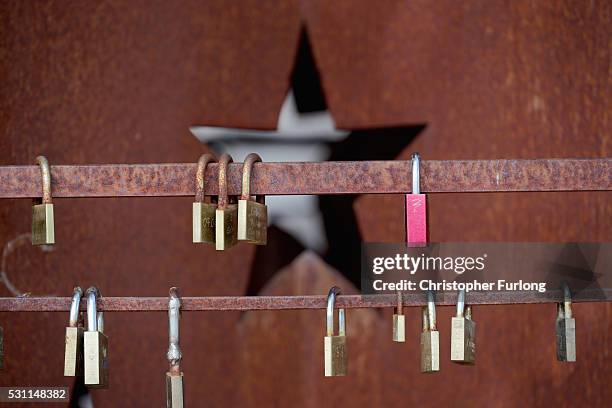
{"points": [[416, 220]]}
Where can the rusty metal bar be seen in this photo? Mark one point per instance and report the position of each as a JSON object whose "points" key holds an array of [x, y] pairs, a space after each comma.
{"points": [[365, 177], [244, 303]]}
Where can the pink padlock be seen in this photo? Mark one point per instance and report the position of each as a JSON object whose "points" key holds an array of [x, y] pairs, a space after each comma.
{"points": [[416, 209]]}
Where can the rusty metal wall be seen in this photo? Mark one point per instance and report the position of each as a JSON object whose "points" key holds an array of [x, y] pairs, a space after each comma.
{"points": [[121, 81]]}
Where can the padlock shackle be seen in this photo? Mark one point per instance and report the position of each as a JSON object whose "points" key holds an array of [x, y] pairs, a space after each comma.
{"points": [[46, 179], [247, 168], [203, 162], [399, 308], [560, 311], [567, 301], [431, 310], [174, 353], [224, 161], [416, 173], [74, 306], [460, 303], [92, 314], [331, 300]]}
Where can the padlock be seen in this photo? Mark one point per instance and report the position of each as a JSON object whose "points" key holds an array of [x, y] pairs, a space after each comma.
{"points": [[566, 328], [416, 209], [73, 355], [95, 344], [43, 229], [226, 220], [203, 212], [463, 333], [252, 215], [174, 377], [430, 338], [416, 236], [399, 321], [335, 352], [174, 390]]}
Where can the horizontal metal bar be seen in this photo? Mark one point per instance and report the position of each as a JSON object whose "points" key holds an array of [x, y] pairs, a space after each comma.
{"points": [[244, 303], [365, 177]]}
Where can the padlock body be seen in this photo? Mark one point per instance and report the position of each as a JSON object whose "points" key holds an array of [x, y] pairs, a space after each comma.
{"points": [[204, 219], [399, 328], [226, 226], [73, 355], [430, 351], [336, 357], [416, 220], [43, 229], [463, 346], [252, 222], [566, 339], [95, 346], [174, 390]]}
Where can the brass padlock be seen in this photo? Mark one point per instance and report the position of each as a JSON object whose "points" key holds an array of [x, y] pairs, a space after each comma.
{"points": [[203, 212], [566, 328], [399, 321], [73, 355], [335, 352], [43, 229], [463, 333], [174, 377], [252, 215], [226, 220], [95, 344], [430, 338]]}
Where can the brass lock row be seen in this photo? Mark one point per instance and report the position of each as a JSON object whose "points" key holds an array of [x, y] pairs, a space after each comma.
{"points": [[463, 332], [224, 222], [86, 352]]}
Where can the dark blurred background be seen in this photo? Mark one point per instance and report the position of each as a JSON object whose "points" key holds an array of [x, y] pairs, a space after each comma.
{"points": [[150, 81]]}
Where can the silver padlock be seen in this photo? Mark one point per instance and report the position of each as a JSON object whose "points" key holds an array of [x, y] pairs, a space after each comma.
{"points": [[463, 333], [73, 355], [430, 338], [566, 328], [95, 344], [174, 377]]}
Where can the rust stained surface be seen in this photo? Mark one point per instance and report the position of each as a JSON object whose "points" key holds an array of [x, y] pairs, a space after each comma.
{"points": [[291, 343], [314, 178], [121, 82], [490, 79], [248, 303]]}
